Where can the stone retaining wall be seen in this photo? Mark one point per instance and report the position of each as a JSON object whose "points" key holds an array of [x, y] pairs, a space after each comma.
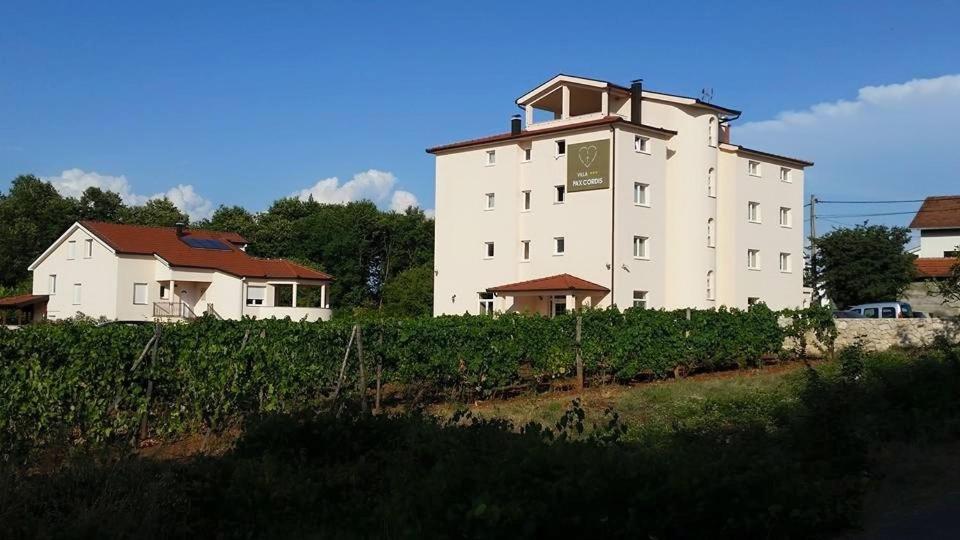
{"points": [[882, 334]]}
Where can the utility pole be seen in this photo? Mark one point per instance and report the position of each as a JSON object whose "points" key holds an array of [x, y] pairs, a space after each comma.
{"points": [[814, 282]]}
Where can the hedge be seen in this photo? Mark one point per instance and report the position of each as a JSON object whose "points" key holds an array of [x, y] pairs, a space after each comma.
{"points": [[77, 380]]}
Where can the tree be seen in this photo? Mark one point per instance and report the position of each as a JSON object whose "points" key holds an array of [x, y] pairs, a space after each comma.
{"points": [[155, 213], [231, 219], [410, 293], [866, 263], [949, 287], [98, 205], [33, 216]]}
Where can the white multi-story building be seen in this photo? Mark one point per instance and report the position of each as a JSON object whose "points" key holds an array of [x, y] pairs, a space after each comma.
{"points": [[615, 195]]}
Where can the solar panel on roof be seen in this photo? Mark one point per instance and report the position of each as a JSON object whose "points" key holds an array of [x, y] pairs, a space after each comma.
{"points": [[205, 243]]}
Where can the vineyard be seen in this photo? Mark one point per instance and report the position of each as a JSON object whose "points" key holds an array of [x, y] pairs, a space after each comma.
{"points": [[76, 381]]}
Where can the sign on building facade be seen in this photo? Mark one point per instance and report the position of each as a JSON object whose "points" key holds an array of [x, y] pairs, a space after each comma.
{"points": [[588, 166]]}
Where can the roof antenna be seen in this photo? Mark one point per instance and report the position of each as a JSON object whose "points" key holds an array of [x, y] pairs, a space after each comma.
{"points": [[706, 95]]}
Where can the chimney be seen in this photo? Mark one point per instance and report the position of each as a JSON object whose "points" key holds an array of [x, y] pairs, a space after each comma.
{"points": [[636, 98], [180, 226], [725, 133], [515, 125]]}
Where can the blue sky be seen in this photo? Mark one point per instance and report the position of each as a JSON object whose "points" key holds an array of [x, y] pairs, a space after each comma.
{"points": [[242, 103]]}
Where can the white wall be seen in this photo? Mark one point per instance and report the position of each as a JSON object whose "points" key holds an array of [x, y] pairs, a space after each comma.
{"points": [[933, 242], [95, 274]]}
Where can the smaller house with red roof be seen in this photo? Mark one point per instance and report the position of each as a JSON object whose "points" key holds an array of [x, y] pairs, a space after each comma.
{"points": [[938, 222], [135, 273]]}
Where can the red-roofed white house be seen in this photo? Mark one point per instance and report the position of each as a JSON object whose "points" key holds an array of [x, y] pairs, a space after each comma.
{"points": [[938, 224], [135, 273]]}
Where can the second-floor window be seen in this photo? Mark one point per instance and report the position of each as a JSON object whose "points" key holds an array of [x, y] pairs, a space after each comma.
{"points": [[52, 284], [524, 250], [560, 194], [640, 247], [88, 248], [784, 174], [785, 262], [640, 194], [71, 250], [526, 200], [488, 250], [753, 212], [559, 245], [753, 168], [489, 201], [753, 259], [491, 157], [561, 148]]}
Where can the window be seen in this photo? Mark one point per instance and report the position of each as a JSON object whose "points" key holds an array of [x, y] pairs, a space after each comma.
{"points": [[752, 300], [488, 250], [640, 247], [753, 259], [561, 148], [641, 144], [711, 183], [77, 290], [88, 248], [640, 194], [951, 254], [888, 313], [871, 313], [255, 295], [52, 284], [785, 218], [712, 131], [486, 303], [164, 292], [559, 245], [560, 195], [753, 168], [710, 233], [558, 305], [490, 200], [524, 250], [526, 200], [640, 299], [140, 293], [710, 285], [491, 157], [753, 212], [527, 154], [71, 250], [785, 262], [784, 174]]}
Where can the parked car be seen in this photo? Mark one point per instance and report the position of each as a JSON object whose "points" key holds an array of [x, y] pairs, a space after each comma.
{"points": [[884, 310], [846, 314]]}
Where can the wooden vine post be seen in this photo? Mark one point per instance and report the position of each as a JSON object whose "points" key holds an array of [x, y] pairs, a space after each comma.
{"points": [[343, 366], [579, 354], [362, 379], [376, 398], [144, 424]]}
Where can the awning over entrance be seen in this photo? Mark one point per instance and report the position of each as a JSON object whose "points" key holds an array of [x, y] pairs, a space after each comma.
{"points": [[22, 301], [558, 284]]}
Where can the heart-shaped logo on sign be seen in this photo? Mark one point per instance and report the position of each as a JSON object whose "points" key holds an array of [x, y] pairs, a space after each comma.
{"points": [[587, 155]]}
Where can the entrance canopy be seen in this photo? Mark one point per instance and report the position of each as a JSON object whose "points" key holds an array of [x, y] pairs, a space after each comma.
{"points": [[22, 301], [558, 284]]}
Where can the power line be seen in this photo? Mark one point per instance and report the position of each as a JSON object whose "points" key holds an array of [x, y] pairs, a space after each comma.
{"points": [[871, 202]]}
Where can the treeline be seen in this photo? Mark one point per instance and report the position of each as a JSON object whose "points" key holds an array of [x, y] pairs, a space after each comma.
{"points": [[381, 260], [91, 381]]}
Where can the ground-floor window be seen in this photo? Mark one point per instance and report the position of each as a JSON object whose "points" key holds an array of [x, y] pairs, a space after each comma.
{"points": [[558, 305], [255, 295], [640, 299], [486, 303]]}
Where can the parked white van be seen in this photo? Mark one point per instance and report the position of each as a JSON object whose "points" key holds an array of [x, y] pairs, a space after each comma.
{"points": [[884, 310]]}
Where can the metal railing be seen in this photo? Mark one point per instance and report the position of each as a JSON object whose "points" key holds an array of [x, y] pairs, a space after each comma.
{"points": [[173, 310]]}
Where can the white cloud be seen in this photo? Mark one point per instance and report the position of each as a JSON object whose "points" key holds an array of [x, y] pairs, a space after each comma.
{"points": [[73, 182], [894, 141], [374, 185]]}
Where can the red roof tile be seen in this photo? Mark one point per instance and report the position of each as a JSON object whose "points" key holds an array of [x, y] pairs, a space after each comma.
{"points": [[938, 213], [529, 133], [22, 300], [561, 282], [935, 266], [164, 242]]}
